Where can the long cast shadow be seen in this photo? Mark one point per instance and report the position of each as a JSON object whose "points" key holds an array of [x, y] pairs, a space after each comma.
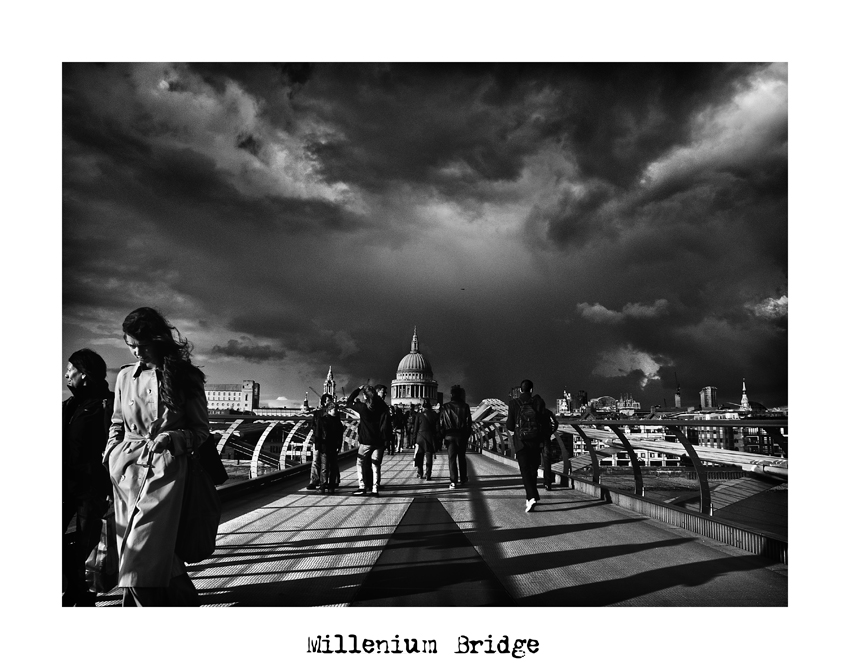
{"points": [[423, 567], [610, 592]]}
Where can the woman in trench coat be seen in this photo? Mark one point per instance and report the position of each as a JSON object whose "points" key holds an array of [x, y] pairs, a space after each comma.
{"points": [[160, 415]]}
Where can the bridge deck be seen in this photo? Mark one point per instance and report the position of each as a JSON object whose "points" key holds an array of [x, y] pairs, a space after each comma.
{"points": [[421, 544]]}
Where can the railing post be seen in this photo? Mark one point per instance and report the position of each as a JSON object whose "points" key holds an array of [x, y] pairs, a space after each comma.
{"points": [[498, 433], [230, 430], [266, 432], [633, 457], [594, 460], [704, 493]]}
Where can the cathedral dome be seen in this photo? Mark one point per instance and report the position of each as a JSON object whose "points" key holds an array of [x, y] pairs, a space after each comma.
{"points": [[414, 362], [414, 382]]}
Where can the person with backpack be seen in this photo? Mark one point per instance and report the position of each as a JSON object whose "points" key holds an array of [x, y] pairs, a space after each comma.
{"points": [[525, 423], [456, 427]]}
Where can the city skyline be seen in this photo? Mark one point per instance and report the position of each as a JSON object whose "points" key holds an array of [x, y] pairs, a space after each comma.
{"points": [[603, 227]]}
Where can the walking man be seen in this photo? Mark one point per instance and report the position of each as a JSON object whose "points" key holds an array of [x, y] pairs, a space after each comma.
{"points": [[425, 434], [386, 428], [327, 433], [399, 424], [316, 462], [456, 427], [525, 420]]}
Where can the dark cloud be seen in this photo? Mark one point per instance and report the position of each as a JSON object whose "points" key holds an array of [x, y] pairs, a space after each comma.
{"points": [[612, 226], [248, 350]]}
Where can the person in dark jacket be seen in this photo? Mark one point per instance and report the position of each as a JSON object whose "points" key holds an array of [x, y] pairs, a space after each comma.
{"points": [[85, 481], [426, 437], [399, 427], [550, 426], [411, 419], [525, 420], [327, 432], [371, 432], [456, 427]]}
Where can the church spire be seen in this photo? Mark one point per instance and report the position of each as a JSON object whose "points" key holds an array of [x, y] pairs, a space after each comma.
{"points": [[414, 345], [745, 402], [330, 384]]}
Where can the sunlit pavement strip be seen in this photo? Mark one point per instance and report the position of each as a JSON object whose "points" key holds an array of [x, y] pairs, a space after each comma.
{"points": [[304, 550], [308, 549]]}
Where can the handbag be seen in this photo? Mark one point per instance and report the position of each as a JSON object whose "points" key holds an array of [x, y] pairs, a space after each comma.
{"points": [[102, 562], [199, 516], [211, 461]]}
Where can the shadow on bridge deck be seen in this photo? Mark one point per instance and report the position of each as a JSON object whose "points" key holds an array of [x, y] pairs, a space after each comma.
{"points": [[421, 544]]}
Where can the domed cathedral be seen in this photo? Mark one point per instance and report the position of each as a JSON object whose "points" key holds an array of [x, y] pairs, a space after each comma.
{"points": [[414, 381]]}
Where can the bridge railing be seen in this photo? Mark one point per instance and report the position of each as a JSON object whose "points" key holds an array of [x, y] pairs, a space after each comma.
{"points": [[272, 445], [585, 443]]}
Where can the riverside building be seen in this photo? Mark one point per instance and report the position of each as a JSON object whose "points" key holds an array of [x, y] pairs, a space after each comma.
{"points": [[232, 396]]}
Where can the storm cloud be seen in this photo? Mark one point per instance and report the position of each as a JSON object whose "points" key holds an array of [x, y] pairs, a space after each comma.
{"points": [[590, 226]]}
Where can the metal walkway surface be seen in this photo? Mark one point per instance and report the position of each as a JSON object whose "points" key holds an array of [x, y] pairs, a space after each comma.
{"points": [[422, 544]]}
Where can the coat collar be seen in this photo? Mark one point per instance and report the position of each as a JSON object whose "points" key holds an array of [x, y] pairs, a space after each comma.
{"points": [[139, 368]]}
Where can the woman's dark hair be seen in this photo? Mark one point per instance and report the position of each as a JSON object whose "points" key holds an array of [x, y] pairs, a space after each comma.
{"points": [[146, 324], [92, 365]]}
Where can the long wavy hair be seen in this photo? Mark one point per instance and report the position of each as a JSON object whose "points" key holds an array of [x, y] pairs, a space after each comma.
{"points": [[146, 324]]}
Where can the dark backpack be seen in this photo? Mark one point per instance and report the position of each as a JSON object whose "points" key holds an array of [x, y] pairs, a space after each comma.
{"points": [[528, 425], [452, 418]]}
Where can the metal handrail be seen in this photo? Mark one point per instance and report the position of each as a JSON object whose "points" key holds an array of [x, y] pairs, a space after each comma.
{"points": [[491, 434]]}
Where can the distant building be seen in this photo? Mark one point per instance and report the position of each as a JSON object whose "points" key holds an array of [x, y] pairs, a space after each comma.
{"points": [[564, 405], [414, 382], [232, 396], [714, 436], [646, 457], [279, 411], [627, 405], [708, 397], [581, 400], [739, 437]]}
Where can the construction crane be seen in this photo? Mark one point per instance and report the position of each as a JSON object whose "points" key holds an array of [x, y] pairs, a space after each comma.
{"points": [[318, 394]]}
